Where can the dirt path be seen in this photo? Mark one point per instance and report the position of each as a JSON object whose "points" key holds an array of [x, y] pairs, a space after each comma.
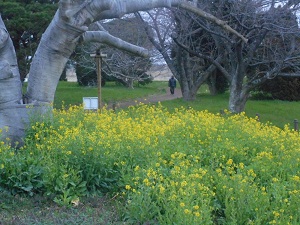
{"points": [[152, 98]]}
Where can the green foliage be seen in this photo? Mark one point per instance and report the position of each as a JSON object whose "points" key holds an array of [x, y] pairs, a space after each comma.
{"points": [[145, 79]]}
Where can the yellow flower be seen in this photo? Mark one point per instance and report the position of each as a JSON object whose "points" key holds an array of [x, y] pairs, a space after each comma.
{"points": [[127, 187], [197, 214], [218, 170], [241, 165], [229, 162], [196, 207], [161, 189], [186, 211], [182, 204], [296, 178], [276, 214], [183, 183]]}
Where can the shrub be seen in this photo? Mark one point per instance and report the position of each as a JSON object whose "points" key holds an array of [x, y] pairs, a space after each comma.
{"points": [[282, 88]]}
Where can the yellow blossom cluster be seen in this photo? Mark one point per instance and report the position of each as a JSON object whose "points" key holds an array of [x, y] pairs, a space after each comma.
{"points": [[181, 167]]}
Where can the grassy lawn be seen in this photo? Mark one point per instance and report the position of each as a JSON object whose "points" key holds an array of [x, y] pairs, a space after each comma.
{"points": [[72, 93], [277, 112]]}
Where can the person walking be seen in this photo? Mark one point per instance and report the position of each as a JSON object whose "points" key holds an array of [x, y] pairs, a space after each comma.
{"points": [[172, 85]]}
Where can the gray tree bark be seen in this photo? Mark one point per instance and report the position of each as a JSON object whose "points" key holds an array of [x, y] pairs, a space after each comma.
{"points": [[11, 110]]}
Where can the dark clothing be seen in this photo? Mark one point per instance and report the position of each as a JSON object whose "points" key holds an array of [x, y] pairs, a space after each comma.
{"points": [[172, 84]]}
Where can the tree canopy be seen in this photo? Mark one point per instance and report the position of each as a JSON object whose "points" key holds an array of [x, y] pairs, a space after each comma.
{"points": [[26, 21]]}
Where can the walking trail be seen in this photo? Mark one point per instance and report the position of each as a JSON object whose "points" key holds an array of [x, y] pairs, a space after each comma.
{"points": [[146, 100]]}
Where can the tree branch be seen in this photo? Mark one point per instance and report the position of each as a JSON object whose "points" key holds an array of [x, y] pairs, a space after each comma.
{"points": [[106, 38], [209, 17], [119, 8], [216, 63]]}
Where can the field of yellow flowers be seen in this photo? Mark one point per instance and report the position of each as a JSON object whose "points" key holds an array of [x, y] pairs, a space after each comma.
{"points": [[185, 167]]}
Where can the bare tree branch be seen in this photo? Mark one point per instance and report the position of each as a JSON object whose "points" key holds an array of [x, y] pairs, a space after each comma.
{"points": [[106, 38], [210, 17]]}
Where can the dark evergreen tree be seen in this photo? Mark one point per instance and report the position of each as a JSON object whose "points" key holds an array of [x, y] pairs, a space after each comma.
{"points": [[26, 21]]}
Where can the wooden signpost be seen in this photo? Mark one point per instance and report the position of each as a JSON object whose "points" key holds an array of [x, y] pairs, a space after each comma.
{"points": [[98, 57]]}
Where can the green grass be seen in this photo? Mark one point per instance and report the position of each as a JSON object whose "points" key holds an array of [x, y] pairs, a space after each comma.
{"points": [[72, 93], [277, 112]]}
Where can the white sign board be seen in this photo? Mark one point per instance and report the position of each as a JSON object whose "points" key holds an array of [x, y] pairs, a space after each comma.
{"points": [[90, 102]]}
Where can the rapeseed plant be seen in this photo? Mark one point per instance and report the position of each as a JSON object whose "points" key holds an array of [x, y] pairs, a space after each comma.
{"points": [[186, 167]]}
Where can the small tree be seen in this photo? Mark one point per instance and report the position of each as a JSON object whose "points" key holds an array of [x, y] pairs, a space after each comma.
{"points": [[172, 31], [271, 49], [118, 66]]}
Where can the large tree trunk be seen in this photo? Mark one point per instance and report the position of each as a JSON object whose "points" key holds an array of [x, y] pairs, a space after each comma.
{"points": [[238, 91], [211, 82], [237, 101], [238, 96], [10, 90], [56, 46]]}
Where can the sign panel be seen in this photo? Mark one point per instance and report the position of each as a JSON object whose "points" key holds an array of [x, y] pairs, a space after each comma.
{"points": [[90, 102]]}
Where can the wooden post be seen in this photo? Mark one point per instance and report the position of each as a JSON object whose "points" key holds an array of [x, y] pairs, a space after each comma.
{"points": [[257, 117], [296, 128], [114, 106], [98, 62], [98, 57]]}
